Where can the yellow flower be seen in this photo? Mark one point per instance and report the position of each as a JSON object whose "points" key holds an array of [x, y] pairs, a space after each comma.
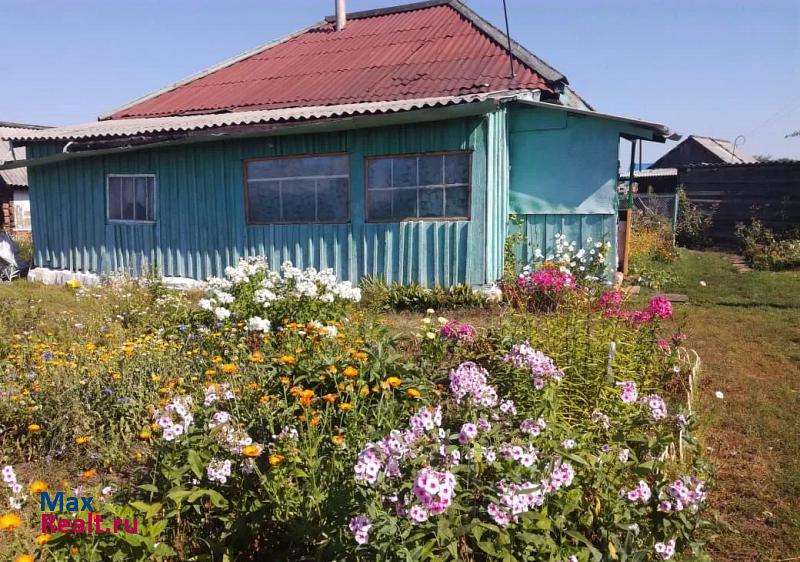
{"points": [[82, 440], [364, 391], [42, 539], [37, 487], [216, 359], [89, 474], [256, 357], [90, 347], [73, 284], [350, 371], [25, 557], [394, 382], [286, 359], [275, 460], [210, 372], [9, 521], [330, 398], [360, 356], [144, 435], [338, 440], [229, 368], [116, 376], [345, 406], [34, 427], [251, 451], [413, 393]]}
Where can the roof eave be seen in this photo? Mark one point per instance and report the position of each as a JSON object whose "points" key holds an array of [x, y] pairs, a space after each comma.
{"points": [[660, 132]]}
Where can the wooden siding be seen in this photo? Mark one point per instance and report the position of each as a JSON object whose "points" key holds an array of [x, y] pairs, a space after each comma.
{"points": [[539, 231], [769, 191], [201, 228]]}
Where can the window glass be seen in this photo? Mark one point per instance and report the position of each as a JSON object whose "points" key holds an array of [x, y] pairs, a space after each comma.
{"points": [[22, 211], [428, 186], [302, 189], [131, 198]]}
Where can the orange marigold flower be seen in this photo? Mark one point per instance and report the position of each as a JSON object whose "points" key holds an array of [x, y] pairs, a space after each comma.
{"points": [[286, 359], [360, 356], [34, 427], [256, 357], [37, 486], [338, 440], [251, 451], [306, 397], [315, 420], [28, 557], [9, 521], [330, 398], [394, 382], [345, 406], [43, 538], [350, 371], [264, 399], [285, 381], [82, 439], [229, 368], [275, 460], [413, 393], [210, 372], [364, 391], [88, 474], [332, 369]]}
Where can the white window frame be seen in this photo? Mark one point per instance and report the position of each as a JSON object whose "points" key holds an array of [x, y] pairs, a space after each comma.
{"points": [[134, 176], [14, 201]]}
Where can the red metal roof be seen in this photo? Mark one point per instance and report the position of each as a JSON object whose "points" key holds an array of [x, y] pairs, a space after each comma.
{"points": [[425, 52]]}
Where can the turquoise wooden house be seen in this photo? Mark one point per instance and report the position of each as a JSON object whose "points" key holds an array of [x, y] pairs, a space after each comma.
{"points": [[393, 143]]}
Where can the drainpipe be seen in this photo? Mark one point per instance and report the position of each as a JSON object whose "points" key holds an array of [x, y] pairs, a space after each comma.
{"points": [[341, 15]]}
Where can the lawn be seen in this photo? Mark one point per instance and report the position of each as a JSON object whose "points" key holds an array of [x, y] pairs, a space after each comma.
{"points": [[746, 328]]}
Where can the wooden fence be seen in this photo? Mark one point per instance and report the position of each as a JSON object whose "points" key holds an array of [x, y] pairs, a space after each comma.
{"points": [[767, 191]]}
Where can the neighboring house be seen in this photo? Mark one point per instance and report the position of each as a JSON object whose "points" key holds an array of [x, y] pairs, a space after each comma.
{"points": [[396, 146], [662, 175], [695, 149], [15, 210]]}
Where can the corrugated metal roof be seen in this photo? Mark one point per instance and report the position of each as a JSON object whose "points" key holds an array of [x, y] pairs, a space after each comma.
{"points": [[428, 50], [141, 126], [15, 177], [724, 150], [653, 173]]}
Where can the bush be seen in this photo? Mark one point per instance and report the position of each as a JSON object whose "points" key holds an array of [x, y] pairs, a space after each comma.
{"points": [[694, 223], [763, 249], [651, 236], [415, 297]]}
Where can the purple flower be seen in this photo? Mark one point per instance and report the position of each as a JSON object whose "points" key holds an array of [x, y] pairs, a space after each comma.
{"points": [[666, 550], [629, 392], [360, 526]]}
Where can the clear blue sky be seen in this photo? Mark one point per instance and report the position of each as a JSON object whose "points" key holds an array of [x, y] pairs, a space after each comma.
{"points": [[714, 67]]}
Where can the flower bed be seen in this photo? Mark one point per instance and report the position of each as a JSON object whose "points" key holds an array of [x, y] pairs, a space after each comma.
{"points": [[277, 420]]}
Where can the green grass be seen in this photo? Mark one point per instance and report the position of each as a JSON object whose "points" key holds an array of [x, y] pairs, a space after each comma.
{"points": [[746, 328]]}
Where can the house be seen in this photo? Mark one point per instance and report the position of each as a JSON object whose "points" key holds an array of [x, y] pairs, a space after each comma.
{"points": [[393, 143], [695, 149], [662, 175], [15, 210]]}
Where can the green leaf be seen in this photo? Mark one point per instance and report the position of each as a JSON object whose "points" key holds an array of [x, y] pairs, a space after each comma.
{"points": [[195, 463], [580, 537]]}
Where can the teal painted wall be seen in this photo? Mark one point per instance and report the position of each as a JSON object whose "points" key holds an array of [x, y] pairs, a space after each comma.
{"points": [[201, 228], [563, 178]]}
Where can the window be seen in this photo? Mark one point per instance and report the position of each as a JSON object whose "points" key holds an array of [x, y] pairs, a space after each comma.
{"points": [[426, 186], [131, 198], [300, 189], [22, 210]]}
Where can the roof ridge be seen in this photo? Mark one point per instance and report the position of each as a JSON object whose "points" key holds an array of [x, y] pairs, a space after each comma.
{"points": [[410, 7]]}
